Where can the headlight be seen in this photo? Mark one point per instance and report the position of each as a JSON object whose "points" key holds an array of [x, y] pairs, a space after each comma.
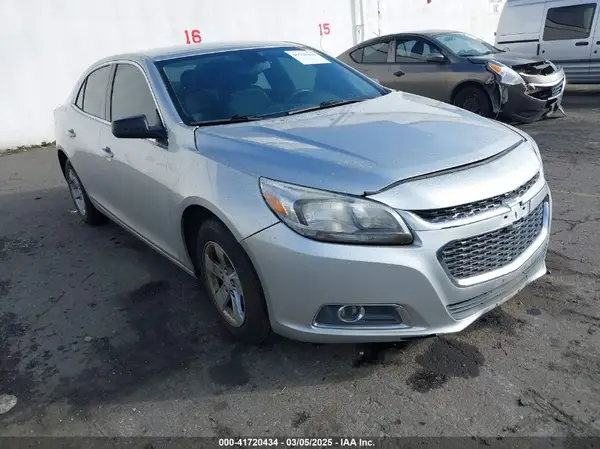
{"points": [[507, 75], [333, 217]]}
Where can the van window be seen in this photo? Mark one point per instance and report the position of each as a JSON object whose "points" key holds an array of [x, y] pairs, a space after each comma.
{"points": [[569, 22]]}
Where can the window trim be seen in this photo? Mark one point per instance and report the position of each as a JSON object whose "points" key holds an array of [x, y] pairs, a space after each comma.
{"points": [[591, 31], [389, 39], [109, 93], [84, 83], [425, 39]]}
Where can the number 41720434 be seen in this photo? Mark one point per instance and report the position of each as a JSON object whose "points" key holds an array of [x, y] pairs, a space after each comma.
{"points": [[193, 37]]}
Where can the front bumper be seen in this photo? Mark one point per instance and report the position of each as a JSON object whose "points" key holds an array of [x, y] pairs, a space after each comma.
{"points": [[299, 276], [539, 102]]}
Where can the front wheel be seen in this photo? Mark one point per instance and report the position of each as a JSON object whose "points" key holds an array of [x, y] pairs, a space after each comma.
{"points": [[232, 283], [87, 211], [474, 99]]}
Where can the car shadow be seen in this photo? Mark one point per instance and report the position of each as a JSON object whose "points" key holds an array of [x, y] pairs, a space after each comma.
{"points": [[92, 315]]}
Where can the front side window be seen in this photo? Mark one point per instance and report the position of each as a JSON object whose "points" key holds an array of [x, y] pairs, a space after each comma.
{"points": [[465, 45], [259, 83], [414, 50], [131, 95], [569, 22], [94, 94]]}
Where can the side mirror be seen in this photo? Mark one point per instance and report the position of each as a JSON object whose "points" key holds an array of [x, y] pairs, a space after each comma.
{"points": [[137, 128], [436, 57]]}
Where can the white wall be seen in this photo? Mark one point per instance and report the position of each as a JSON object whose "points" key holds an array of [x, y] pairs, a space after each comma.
{"points": [[46, 44]]}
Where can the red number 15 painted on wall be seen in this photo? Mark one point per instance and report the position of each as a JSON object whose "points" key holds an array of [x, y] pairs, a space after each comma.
{"points": [[324, 29], [193, 37]]}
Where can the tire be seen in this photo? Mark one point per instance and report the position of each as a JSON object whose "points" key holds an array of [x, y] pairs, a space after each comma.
{"points": [[474, 99], [254, 328], [87, 211]]}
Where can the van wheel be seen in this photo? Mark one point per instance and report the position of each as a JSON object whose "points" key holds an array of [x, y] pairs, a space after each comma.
{"points": [[232, 283], [474, 99], [88, 213]]}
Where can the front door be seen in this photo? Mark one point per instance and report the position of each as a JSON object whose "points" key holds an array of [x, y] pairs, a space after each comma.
{"points": [[140, 186], [566, 36], [412, 72]]}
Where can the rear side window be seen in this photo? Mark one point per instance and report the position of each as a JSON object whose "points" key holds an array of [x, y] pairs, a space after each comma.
{"points": [[376, 53], [131, 95], [94, 94], [79, 100], [357, 55], [569, 22]]}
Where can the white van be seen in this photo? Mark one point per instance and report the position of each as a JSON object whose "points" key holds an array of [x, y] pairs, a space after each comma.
{"points": [[567, 32]]}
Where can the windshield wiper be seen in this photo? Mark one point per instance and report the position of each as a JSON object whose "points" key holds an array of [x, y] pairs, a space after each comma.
{"points": [[325, 105], [232, 119]]}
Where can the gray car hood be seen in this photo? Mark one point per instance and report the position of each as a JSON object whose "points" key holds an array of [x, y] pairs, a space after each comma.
{"points": [[357, 148], [506, 58]]}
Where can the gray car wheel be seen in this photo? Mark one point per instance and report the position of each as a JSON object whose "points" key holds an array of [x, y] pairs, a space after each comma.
{"points": [[474, 99], [87, 211], [231, 283]]}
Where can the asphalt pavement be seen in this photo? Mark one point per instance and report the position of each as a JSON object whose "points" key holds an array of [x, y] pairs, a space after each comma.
{"points": [[101, 336]]}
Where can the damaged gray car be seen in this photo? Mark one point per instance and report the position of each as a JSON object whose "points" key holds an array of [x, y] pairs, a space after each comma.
{"points": [[462, 70]]}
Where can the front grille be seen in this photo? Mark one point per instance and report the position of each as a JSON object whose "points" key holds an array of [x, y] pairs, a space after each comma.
{"points": [[475, 208], [493, 250], [548, 92]]}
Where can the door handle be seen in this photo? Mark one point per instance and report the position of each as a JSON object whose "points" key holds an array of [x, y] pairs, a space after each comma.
{"points": [[108, 154], [71, 133], [399, 73], [581, 44]]}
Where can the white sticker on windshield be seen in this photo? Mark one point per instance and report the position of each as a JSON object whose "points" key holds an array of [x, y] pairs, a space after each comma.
{"points": [[307, 57]]}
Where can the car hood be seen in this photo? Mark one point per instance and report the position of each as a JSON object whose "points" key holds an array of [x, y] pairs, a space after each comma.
{"points": [[507, 58], [358, 148]]}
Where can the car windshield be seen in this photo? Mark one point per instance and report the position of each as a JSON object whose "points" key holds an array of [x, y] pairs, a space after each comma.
{"points": [[253, 84], [464, 45]]}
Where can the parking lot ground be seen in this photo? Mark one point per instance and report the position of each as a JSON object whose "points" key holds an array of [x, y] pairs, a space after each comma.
{"points": [[99, 335]]}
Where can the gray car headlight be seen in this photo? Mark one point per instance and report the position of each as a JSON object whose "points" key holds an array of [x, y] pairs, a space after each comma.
{"points": [[333, 217], [506, 74]]}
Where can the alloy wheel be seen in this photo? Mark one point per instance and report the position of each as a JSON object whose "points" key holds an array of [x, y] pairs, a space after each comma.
{"points": [[224, 284]]}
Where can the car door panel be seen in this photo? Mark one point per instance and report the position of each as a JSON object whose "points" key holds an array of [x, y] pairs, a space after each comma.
{"points": [[140, 187], [567, 36], [411, 72], [87, 119]]}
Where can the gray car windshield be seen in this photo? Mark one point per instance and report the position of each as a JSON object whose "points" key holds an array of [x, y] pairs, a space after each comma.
{"points": [[254, 84], [464, 45]]}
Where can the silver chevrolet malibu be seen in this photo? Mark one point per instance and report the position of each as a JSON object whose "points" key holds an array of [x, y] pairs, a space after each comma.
{"points": [[307, 199]]}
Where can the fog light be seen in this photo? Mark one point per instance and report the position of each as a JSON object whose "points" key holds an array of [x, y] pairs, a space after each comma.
{"points": [[351, 314]]}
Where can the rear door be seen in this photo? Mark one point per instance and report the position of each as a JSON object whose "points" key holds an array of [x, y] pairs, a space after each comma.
{"points": [[566, 36], [86, 121], [411, 72], [139, 175], [372, 60]]}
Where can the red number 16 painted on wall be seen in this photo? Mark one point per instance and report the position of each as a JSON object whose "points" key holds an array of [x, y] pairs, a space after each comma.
{"points": [[193, 37], [324, 29]]}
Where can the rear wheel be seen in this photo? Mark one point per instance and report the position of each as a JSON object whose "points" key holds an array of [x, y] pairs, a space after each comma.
{"points": [[88, 213], [232, 283], [474, 99]]}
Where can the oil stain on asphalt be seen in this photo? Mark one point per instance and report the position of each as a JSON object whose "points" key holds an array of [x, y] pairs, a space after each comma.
{"points": [[443, 360]]}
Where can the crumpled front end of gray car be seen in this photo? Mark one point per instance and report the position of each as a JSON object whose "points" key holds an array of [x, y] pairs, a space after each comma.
{"points": [[538, 96]]}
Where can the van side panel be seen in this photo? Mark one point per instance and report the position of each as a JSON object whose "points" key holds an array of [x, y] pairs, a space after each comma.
{"points": [[595, 59], [519, 26]]}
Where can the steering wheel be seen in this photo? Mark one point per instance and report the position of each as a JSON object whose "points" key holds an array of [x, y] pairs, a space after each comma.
{"points": [[297, 96]]}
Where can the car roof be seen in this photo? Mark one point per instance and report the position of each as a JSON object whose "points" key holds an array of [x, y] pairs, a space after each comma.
{"points": [[164, 53], [427, 33]]}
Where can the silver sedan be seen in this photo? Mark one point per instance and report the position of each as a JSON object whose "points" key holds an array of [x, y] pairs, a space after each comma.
{"points": [[307, 199]]}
